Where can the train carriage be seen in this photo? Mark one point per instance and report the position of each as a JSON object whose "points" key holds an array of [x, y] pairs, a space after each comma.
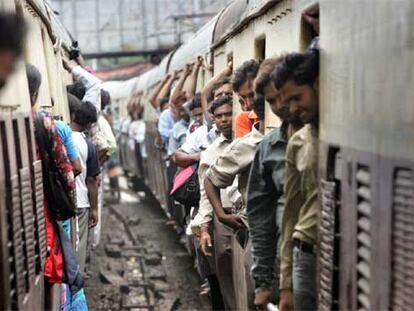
{"points": [[366, 152], [22, 226]]}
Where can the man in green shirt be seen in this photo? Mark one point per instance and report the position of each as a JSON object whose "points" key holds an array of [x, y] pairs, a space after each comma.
{"points": [[297, 78]]}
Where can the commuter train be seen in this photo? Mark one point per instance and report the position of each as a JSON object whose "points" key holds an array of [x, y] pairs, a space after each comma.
{"points": [[366, 246]]}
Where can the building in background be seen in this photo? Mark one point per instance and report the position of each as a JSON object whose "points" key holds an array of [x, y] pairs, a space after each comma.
{"points": [[133, 28]]}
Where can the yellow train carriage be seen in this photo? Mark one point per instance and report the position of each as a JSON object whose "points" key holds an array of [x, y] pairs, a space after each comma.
{"points": [[22, 227]]}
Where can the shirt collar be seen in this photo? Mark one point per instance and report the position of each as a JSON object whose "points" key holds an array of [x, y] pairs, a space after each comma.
{"points": [[221, 139], [281, 134], [255, 134]]}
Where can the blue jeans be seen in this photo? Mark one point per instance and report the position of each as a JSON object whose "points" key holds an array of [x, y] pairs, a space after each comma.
{"points": [[304, 280]]}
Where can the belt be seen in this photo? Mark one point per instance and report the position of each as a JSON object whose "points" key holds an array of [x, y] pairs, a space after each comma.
{"points": [[304, 246]]}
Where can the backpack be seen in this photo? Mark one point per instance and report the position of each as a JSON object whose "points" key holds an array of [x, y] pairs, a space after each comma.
{"points": [[58, 193], [186, 188]]}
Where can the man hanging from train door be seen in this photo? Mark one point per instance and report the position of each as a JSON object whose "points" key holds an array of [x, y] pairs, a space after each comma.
{"points": [[265, 199], [222, 110], [297, 78], [234, 163], [84, 115]]}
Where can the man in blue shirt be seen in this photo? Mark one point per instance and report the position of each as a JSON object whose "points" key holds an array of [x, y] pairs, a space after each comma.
{"points": [[65, 133]]}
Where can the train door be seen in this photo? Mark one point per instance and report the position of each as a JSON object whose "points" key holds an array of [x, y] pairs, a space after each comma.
{"points": [[331, 183], [309, 26]]}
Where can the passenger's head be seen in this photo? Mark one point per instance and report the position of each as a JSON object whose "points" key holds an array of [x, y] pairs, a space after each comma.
{"points": [[222, 87], [181, 112], [263, 86], [181, 99], [222, 110], [82, 114], [138, 111], [105, 99], [164, 103], [34, 79], [196, 109], [243, 82], [74, 104], [12, 32], [77, 89], [297, 78]]}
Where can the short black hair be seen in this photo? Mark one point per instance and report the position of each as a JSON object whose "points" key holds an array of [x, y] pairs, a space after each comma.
{"points": [[221, 101], [247, 71], [77, 89], [34, 79], [302, 68], [195, 102], [105, 99], [85, 114], [74, 103], [259, 106], [210, 97], [12, 32], [164, 101]]}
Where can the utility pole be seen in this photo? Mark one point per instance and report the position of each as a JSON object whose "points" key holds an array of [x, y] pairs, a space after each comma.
{"points": [[98, 25], [74, 19], [144, 23]]}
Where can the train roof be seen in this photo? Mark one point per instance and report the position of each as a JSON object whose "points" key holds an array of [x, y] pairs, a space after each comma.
{"points": [[199, 44], [151, 77], [223, 25], [57, 31], [237, 14]]}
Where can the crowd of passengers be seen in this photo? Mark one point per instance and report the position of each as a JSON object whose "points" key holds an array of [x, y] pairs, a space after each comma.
{"points": [[247, 201], [255, 212]]}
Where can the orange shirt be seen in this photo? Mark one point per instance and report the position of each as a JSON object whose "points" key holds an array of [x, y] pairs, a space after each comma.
{"points": [[244, 122]]}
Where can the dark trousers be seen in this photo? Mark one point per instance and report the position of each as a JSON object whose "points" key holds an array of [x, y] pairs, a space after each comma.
{"points": [[304, 280]]}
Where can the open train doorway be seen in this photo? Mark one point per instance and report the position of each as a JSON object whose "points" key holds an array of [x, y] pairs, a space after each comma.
{"points": [[309, 28]]}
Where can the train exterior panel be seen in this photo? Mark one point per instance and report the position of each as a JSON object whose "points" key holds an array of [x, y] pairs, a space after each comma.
{"points": [[366, 152]]}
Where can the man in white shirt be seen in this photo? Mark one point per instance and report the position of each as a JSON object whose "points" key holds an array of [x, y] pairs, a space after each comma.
{"points": [[87, 182]]}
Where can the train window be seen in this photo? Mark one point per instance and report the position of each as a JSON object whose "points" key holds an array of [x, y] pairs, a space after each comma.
{"points": [[230, 56], [260, 48], [309, 29], [49, 59]]}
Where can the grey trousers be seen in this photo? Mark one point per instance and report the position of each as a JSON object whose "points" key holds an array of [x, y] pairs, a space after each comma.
{"points": [[223, 240], [242, 262], [233, 264], [304, 280], [82, 232]]}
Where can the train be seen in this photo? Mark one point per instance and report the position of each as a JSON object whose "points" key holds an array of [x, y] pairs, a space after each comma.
{"points": [[366, 246]]}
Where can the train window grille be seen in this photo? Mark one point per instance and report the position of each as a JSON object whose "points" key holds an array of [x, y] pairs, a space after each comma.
{"points": [[402, 285], [37, 199], [364, 240], [26, 221], [330, 234], [15, 245]]}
